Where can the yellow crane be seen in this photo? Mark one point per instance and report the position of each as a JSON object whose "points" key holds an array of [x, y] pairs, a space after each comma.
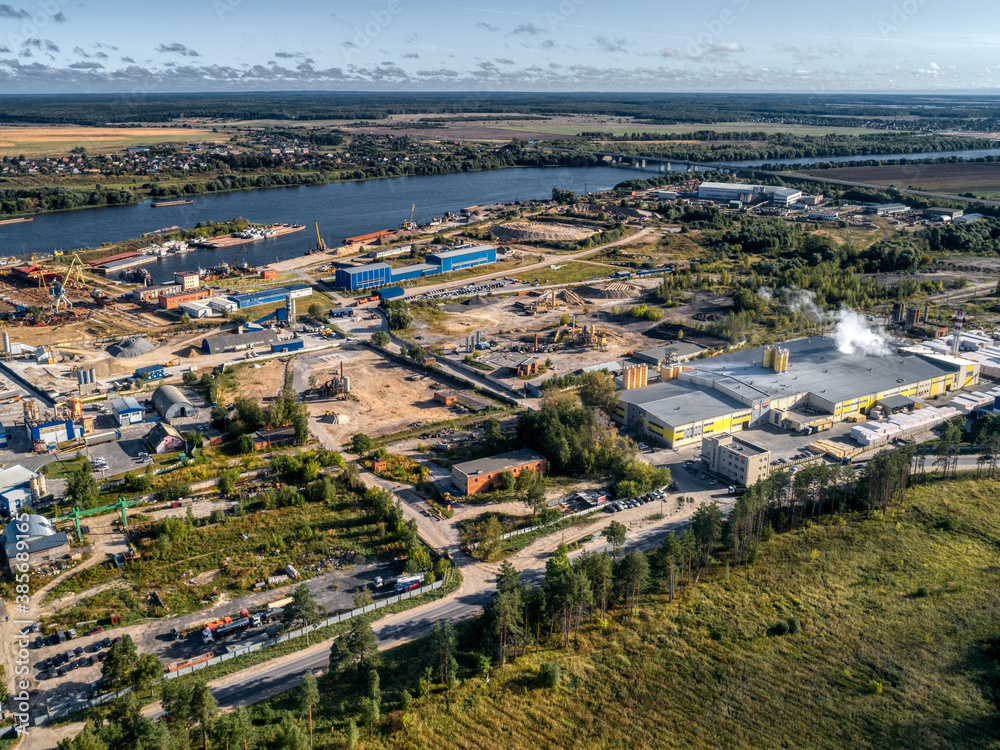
{"points": [[320, 245], [58, 291]]}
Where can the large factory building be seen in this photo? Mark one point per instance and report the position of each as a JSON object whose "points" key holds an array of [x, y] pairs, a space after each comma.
{"points": [[799, 385], [374, 275]]}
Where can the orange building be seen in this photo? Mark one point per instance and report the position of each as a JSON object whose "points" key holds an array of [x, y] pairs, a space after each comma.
{"points": [[483, 474], [176, 300]]}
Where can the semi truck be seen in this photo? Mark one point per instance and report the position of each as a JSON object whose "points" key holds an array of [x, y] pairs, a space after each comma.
{"points": [[227, 626], [406, 583]]}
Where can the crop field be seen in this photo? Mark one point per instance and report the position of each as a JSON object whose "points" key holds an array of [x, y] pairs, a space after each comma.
{"points": [[983, 179], [897, 648], [53, 140]]}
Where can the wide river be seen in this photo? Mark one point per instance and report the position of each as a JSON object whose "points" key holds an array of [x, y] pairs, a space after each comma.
{"points": [[343, 209]]}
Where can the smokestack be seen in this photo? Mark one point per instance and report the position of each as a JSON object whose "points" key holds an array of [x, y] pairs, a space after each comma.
{"points": [[956, 340], [927, 313]]}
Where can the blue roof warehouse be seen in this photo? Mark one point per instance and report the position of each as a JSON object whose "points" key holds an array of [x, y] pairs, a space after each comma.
{"points": [[374, 275], [270, 296]]}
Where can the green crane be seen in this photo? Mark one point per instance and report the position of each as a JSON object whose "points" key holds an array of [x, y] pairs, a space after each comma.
{"points": [[76, 514]]}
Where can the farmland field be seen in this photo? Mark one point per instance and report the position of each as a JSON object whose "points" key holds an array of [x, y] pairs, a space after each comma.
{"points": [[32, 141], [983, 179]]}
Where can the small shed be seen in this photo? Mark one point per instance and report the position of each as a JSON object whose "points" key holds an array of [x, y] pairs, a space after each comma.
{"points": [[127, 411]]}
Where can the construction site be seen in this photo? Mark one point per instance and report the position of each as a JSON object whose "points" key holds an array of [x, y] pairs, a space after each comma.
{"points": [[357, 390]]}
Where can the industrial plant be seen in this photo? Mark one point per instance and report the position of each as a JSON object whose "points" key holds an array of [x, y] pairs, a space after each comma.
{"points": [[806, 384]]}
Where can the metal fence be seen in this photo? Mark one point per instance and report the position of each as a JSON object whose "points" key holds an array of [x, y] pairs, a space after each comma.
{"points": [[68, 708], [307, 629]]}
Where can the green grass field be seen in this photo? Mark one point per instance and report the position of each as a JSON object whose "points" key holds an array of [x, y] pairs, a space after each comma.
{"points": [[899, 617], [567, 273]]}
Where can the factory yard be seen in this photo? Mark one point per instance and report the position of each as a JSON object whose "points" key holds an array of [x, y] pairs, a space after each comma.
{"points": [[385, 397]]}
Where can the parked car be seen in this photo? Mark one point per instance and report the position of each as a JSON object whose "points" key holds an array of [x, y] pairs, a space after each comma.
{"points": [[71, 633], [101, 656], [96, 630], [78, 650]]}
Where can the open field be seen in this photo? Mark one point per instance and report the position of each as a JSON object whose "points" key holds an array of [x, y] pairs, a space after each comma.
{"points": [[54, 140], [567, 273], [568, 126], [897, 648], [983, 179]]}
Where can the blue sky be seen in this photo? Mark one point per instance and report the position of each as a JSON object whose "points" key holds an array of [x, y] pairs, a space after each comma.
{"points": [[53, 46]]}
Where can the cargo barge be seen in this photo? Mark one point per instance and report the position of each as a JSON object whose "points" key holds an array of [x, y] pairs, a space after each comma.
{"points": [[362, 239], [253, 234], [161, 204], [19, 220]]}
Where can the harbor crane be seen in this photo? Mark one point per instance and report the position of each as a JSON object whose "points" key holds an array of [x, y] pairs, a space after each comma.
{"points": [[75, 270], [239, 254], [320, 245]]}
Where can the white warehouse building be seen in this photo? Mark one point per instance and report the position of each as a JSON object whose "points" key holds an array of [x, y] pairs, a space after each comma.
{"points": [[735, 191]]}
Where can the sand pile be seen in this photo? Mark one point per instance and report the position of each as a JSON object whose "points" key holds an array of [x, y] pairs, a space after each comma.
{"points": [[621, 290], [545, 231], [131, 347]]}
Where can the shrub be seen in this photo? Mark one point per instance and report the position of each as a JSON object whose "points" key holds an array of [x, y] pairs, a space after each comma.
{"points": [[550, 675], [794, 626], [875, 687], [780, 628]]}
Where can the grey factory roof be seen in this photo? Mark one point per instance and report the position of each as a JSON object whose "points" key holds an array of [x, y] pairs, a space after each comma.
{"points": [[218, 344], [816, 366], [169, 395], [680, 349], [501, 462], [677, 402]]}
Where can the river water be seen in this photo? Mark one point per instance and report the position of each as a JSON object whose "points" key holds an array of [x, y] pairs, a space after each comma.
{"points": [[343, 209]]}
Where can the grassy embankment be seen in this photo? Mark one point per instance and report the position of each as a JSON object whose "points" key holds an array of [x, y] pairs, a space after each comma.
{"points": [[898, 616]]}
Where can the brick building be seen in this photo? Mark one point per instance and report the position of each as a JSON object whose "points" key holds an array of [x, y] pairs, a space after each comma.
{"points": [[483, 474], [176, 300]]}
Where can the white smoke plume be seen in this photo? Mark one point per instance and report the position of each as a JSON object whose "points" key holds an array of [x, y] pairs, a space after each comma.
{"points": [[852, 331], [854, 335]]}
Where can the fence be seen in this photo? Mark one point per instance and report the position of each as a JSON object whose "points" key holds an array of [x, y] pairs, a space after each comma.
{"points": [[68, 708], [529, 529], [307, 629]]}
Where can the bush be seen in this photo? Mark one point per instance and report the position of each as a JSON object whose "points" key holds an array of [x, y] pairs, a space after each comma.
{"points": [[875, 687], [549, 675], [189, 378], [794, 626], [780, 628]]}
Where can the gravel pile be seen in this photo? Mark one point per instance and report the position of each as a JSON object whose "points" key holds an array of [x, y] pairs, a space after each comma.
{"points": [[131, 347]]}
